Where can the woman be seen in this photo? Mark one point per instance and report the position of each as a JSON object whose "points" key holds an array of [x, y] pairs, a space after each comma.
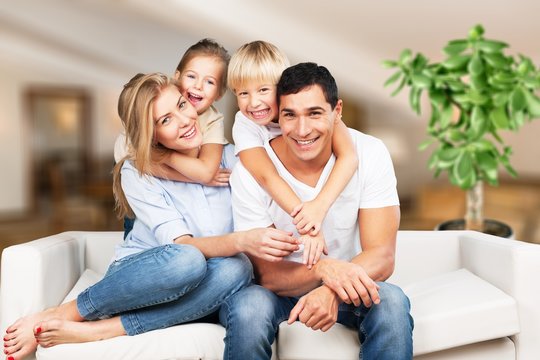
{"points": [[176, 265]]}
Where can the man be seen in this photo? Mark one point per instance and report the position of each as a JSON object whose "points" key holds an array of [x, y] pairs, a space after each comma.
{"points": [[360, 231]]}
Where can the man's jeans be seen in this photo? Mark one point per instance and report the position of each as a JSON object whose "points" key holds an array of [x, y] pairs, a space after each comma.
{"points": [[252, 317], [164, 286]]}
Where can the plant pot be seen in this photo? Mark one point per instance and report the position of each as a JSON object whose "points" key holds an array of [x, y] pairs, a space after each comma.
{"points": [[492, 227]]}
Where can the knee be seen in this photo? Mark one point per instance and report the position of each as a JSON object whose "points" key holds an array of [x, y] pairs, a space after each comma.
{"points": [[237, 270], [394, 306], [186, 261], [252, 305]]}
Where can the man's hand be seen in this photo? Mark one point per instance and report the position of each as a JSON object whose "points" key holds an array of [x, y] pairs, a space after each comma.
{"points": [[318, 309], [267, 243], [349, 281]]}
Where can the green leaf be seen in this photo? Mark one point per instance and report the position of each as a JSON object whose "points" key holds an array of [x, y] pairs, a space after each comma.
{"points": [[455, 48], [478, 122], [499, 118], [398, 89], [490, 46], [421, 81], [483, 145], [486, 160], [456, 62], [425, 144], [496, 60], [414, 99], [476, 67], [517, 100], [456, 135], [519, 119], [463, 170], [419, 62], [405, 56], [506, 163], [476, 32], [533, 104], [446, 116], [392, 79], [389, 64], [477, 98], [500, 99], [478, 82], [456, 86]]}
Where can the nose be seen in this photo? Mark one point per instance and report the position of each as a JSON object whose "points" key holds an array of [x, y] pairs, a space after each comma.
{"points": [[182, 120], [303, 127], [253, 101], [198, 83]]}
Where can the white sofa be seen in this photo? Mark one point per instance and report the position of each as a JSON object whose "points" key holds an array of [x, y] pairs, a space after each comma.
{"points": [[473, 296]]}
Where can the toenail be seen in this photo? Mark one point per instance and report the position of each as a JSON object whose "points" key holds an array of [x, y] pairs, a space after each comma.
{"points": [[10, 358], [38, 330]]}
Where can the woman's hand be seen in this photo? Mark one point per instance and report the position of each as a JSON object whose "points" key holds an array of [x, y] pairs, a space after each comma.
{"points": [[267, 243]]}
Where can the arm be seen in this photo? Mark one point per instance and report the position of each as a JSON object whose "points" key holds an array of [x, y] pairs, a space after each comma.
{"points": [[311, 214], [259, 165], [201, 169], [264, 243]]}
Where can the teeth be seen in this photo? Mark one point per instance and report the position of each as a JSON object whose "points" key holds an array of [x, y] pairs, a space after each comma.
{"points": [[305, 142], [260, 113], [195, 97], [189, 133]]}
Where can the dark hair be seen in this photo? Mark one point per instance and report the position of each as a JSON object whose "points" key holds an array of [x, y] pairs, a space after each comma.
{"points": [[298, 77], [210, 48]]}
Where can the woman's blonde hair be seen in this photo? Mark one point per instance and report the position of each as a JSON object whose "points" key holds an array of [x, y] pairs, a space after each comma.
{"points": [[135, 108], [257, 61]]}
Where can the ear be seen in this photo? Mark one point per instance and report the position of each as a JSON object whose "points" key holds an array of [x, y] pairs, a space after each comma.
{"points": [[338, 109], [176, 75]]}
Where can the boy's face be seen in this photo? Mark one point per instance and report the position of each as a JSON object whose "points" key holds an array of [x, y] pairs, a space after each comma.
{"points": [[307, 123], [200, 81], [258, 102]]}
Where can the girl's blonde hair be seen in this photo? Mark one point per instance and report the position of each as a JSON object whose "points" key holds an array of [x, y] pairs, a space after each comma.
{"points": [[207, 48], [135, 108], [257, 61]]}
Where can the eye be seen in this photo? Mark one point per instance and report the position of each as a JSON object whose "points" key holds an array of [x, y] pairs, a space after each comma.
{"points": [[288, 115], [211, 82], [190, 76], [241, 93], [264, 90], [182, 104], [315, 114], [164, 121]]}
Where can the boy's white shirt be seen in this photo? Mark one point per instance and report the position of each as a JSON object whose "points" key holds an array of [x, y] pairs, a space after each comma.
{"points": [[373, 185], [211, 125], [247, 134]]}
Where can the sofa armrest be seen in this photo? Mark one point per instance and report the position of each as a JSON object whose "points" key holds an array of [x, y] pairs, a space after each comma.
{"points": [[38, 274], [512, 266]]}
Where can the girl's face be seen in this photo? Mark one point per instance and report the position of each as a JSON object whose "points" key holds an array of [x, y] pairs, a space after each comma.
{"points": [[258, 102], [176, 125], [200, 81]]}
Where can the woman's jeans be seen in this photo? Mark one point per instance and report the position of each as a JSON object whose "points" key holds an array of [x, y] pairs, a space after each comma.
{"points": [[252, 317], [164, 286]]}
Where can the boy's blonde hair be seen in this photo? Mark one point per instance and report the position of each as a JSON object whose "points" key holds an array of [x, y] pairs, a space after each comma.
{"points": [[135, 108], [208, 48], [257, 61]]}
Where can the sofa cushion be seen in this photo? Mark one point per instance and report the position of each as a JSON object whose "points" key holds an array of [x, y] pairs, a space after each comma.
{"points": [[87, 279], [458, 308], [449, 310]]}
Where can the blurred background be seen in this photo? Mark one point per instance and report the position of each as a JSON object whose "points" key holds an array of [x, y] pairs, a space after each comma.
{"points": [[64, 62]]}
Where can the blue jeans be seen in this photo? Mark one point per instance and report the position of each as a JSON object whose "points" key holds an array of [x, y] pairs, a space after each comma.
{"points": [[164, 286], [252, 317]]}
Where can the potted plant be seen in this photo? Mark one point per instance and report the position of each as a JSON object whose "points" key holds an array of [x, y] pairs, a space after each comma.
{"points": [[475, 92]]}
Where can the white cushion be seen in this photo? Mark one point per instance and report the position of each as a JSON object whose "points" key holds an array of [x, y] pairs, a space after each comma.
{"points": [[87, 279], [449, 310], [458, 308]]}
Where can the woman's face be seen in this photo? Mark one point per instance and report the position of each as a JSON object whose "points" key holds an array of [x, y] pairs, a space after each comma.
{"points": [[175, 121]]}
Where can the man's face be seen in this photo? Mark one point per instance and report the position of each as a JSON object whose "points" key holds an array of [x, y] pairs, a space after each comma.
{"points": [[307, 123]]}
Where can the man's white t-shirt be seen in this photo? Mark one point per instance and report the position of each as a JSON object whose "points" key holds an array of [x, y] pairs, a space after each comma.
{"points": [[247, 134], [373, 185]]}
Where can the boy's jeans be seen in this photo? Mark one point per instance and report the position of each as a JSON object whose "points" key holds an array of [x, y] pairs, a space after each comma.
{"points": [[252, 317], [177, 278]]}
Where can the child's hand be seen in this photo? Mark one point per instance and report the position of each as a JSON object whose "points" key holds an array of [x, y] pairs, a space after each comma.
{"points": [[221, 178], [308, 217], [313, 247]]}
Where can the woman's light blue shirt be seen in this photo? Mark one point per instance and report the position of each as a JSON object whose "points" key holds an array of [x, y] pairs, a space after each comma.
{"points": [[166, 209]]}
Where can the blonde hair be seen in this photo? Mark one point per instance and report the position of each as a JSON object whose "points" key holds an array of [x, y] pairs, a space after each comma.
{"points": [[257, 61], [207, 48], [135, 108]]}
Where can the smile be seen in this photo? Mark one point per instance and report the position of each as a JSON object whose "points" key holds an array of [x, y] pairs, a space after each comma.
{"points": [[193, 98], [260, 114], [305, 142], [189, 134]]}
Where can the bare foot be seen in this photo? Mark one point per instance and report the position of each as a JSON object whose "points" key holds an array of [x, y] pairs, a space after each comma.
{"points": [[19, 339], [57, 331]]}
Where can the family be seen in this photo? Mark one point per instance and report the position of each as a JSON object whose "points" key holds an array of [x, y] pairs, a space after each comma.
{"points": [[302, 229]]}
